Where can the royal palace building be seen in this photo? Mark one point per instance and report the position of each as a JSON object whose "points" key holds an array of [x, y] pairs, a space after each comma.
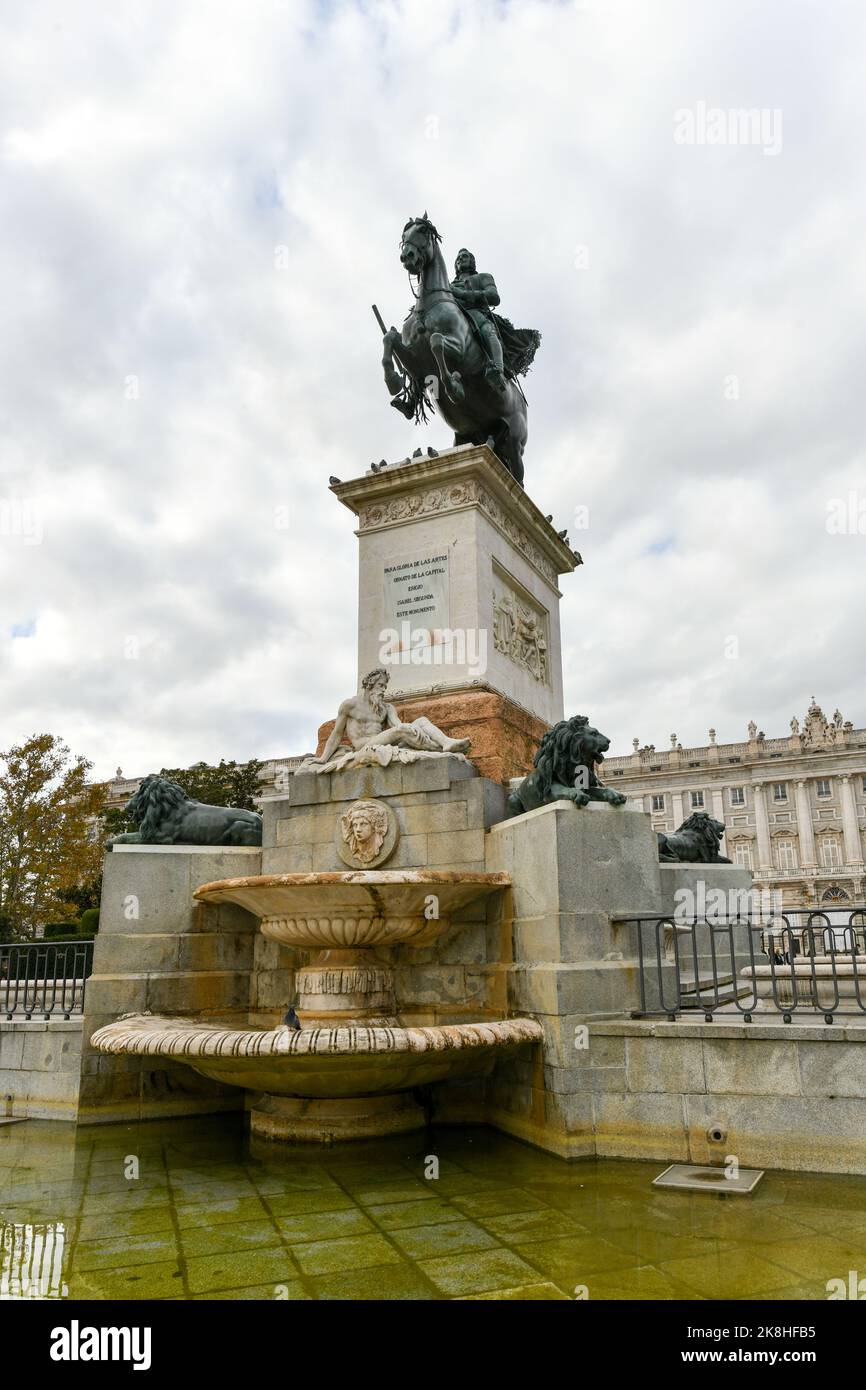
{"points": [[794, 808]]}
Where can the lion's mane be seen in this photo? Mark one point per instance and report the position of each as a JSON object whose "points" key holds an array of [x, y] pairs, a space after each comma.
{"points": [[155, 805], [562, 750], [704, 826]]}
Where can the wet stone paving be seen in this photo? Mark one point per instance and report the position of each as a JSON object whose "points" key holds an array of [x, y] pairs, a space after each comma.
{"points": [[192, 1209]]}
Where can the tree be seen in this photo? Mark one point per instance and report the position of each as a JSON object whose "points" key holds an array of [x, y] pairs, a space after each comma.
{"points": [[46, 842], [230, 784], [83, 895]]}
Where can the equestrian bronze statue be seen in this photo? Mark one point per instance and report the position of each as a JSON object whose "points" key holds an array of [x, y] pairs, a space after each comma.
{"points": [[455, 351]]}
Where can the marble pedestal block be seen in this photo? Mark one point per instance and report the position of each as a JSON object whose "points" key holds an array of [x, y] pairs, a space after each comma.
{"points": [[452, 548], [577, 873]]}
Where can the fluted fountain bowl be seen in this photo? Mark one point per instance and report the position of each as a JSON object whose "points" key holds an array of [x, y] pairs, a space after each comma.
{"points": [[364, 907], [325, 1084]]}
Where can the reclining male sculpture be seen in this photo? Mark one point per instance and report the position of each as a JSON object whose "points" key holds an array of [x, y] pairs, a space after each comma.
{"points": [[377, 733]]}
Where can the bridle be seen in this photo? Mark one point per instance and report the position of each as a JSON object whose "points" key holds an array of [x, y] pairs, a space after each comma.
{"points": [[421, 300]]}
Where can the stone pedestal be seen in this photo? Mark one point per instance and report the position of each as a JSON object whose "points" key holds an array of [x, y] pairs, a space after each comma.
{"points": [[294, 1120], [160, 952], [458, 582]]}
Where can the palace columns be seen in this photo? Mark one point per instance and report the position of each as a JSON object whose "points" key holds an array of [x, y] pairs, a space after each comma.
{"points": [[677, 808], [805, 829], [762, 825], [853, 849]]}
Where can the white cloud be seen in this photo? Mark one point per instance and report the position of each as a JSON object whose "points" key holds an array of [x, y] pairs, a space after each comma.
{"points": [[166, 388]]}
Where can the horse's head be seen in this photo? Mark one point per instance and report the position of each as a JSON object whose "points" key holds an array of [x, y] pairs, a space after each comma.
{"points": [[418, 244]]}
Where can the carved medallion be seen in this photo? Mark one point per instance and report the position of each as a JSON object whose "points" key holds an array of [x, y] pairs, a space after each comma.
{"points": [[366, 834]]}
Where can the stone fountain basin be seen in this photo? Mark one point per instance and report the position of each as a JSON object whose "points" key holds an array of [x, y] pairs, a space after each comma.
{"points": [[365, 907], [334, 1063]]}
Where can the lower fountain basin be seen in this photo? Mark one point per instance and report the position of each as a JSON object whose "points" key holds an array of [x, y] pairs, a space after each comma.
{"points": [[350, 1060], [321, 1084]]}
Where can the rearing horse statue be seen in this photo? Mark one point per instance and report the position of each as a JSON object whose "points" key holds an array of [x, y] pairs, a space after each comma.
{"points": [[443, 355]]}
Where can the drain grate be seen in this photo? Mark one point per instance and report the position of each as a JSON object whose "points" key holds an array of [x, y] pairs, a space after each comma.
{"points": [[692, 1177]]}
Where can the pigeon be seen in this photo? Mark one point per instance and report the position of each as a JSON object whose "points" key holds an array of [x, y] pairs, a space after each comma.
{"points": [[333, 480], [291, 1020], [417, 454], [563, 535], [549, 518], [432, 453]]}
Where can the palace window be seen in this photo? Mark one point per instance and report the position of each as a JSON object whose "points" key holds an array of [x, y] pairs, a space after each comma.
{"points": [[697, 799], [743, 854], [786, 853], [658, 803], [780, 791], [738, 796], [822, 786], [831, 852], [835, 894]]}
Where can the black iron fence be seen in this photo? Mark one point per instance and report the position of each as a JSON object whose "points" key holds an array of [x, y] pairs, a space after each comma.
{"points": [[39, 979], [754, 965]]}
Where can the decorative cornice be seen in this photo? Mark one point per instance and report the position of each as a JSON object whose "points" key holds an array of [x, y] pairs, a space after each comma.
{"points": [[467, 476]]}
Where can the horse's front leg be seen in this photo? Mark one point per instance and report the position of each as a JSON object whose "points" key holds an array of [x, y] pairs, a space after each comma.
{"points": [[393, 379], [452, 385]]}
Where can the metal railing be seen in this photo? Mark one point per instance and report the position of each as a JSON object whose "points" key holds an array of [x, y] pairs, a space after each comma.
{"points": [[31, 1260], [39, 979], [754, 966]]}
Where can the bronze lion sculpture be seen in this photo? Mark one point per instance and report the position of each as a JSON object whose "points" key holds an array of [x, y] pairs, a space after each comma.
{"points": [[564, 769], [166, 816], [696, 842]]}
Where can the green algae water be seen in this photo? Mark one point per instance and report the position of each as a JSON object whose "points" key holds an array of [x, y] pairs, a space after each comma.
{"points": [[191, 1209]]}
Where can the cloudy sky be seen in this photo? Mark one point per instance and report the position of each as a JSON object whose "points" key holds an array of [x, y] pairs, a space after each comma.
{"points": [[200, 202]]}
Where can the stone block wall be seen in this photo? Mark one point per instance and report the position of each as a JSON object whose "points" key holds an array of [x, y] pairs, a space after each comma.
{"points": [[789, 1096], [40, 1062], [160, 952]]}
